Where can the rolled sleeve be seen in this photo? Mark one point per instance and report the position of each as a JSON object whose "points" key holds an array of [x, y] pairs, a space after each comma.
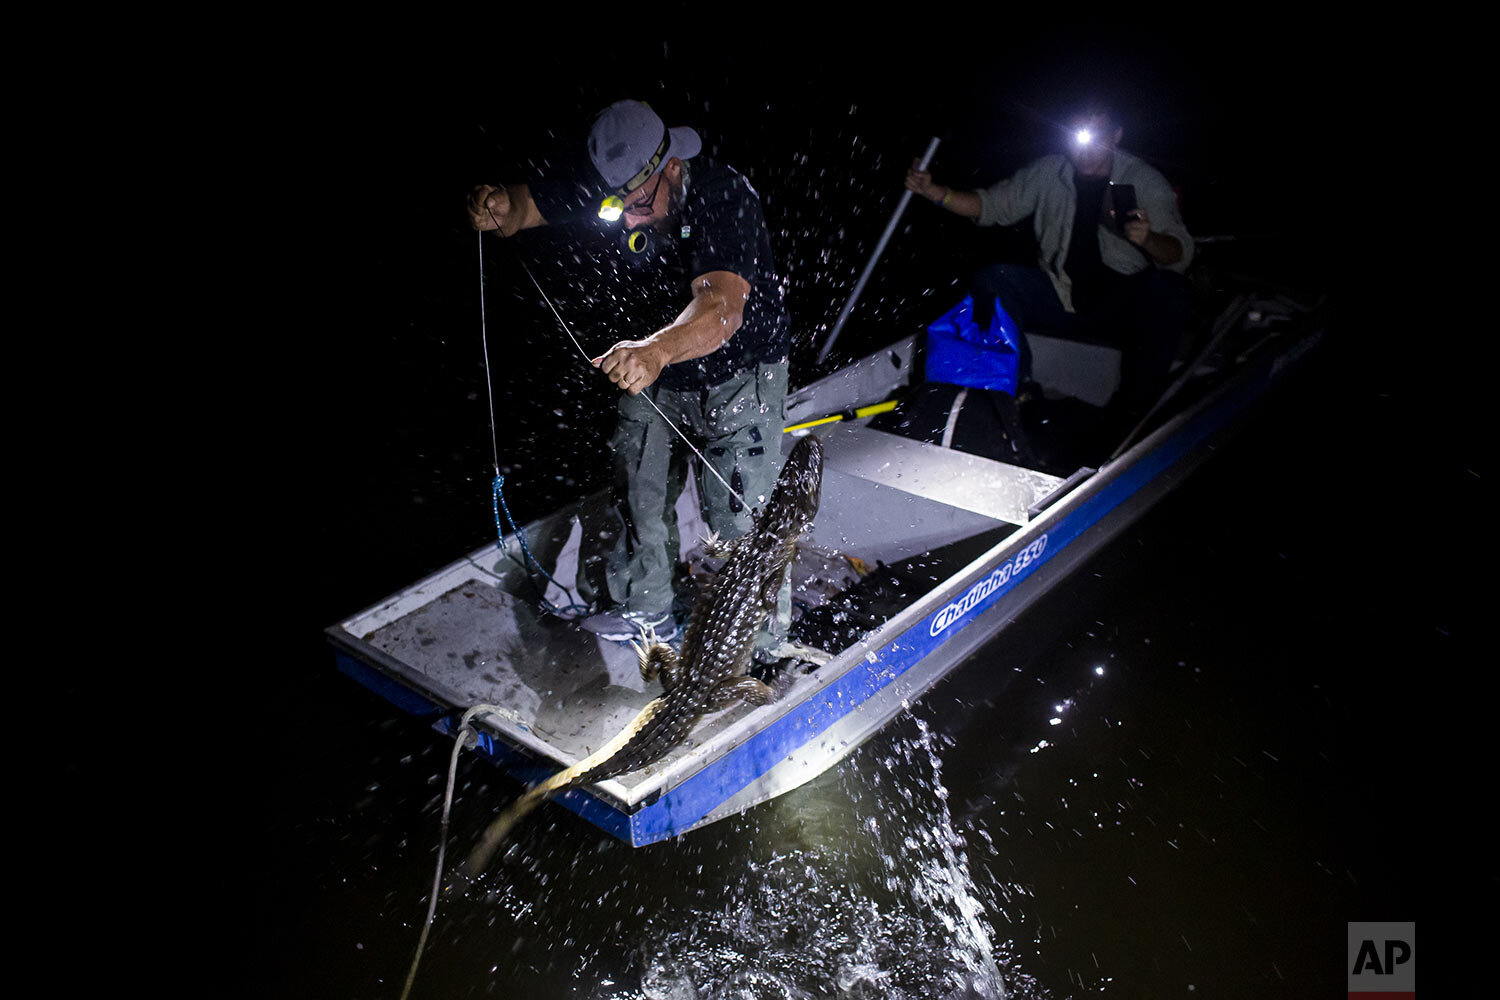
{"points": [[1014, 198]]}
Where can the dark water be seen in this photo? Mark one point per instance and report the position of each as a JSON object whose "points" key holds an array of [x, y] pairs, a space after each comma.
{"points": [[1242, 695], [1268, 695]]}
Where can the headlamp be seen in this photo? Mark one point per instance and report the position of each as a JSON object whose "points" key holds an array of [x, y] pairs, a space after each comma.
{"points": [[613, 206], [1083, 137]]}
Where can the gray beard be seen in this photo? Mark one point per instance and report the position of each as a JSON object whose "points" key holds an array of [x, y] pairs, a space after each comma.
{"points": [[670, 221]]}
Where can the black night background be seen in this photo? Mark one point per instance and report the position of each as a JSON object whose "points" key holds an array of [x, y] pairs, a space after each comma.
{"points": [[1296, 646]]}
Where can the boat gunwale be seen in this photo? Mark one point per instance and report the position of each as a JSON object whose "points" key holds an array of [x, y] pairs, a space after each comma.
{"points": [[880, 640]]}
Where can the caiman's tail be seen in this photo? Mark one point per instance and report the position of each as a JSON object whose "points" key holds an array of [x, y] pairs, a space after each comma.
{"points": [[484, 851], [479, 858]]}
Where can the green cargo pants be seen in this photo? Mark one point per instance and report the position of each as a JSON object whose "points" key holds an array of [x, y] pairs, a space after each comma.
{"points": [[737, 425]]}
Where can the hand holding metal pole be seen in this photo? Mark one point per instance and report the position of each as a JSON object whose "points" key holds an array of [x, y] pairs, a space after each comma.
{"points": [[885, 237]]}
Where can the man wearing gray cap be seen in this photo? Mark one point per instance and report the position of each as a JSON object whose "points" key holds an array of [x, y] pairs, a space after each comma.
{"points": [[718, 370]]}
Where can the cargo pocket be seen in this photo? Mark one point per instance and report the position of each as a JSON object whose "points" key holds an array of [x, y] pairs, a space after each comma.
{"points": [[770, 391]]}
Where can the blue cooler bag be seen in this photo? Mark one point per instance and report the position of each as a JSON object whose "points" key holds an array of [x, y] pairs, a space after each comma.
{"points": [[960, 353]]}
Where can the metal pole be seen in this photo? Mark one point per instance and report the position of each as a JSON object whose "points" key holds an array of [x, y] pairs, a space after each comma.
{"points": [[885, 237], [1227, 320]]}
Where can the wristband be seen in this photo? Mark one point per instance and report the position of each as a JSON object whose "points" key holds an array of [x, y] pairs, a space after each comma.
{"points": [[946, 195]]}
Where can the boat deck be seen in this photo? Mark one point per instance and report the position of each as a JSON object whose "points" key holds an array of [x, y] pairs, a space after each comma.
{"points": [[898, 517], [918, 555]]}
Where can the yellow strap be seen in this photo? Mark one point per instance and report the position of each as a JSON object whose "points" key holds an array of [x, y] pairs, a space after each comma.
{"points": [[863, 411], [814, 423]]}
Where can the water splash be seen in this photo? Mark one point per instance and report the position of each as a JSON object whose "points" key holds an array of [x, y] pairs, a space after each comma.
{"points": [[876, 903], [946, 887]]}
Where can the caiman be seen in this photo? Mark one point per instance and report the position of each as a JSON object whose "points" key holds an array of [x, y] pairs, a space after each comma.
{"points": [[711, 671]]}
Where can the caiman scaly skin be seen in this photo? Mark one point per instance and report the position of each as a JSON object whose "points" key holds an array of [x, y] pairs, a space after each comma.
{"points": [[711, 672]]}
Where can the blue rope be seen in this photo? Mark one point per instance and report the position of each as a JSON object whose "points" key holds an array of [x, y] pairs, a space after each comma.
{"points": [[499, 505]]}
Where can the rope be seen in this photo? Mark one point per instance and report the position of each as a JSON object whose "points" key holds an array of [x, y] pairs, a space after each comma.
{"points": [[520, 533], [484, 340], [466, 736], [585, 354]]}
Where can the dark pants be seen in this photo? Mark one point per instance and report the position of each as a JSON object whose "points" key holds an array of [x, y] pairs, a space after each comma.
{"points": [[1144, 315], [737, 425]]}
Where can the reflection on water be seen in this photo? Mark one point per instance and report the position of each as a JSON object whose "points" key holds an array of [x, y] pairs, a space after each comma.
{"points": [[877, 902], [1203, 817], [856, 886]]}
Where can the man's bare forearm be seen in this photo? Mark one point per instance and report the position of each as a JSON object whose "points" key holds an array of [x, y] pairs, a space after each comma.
{"points": [[964, 203], [710, 319]]}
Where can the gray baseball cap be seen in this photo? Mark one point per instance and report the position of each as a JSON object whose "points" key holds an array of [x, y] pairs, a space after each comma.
{"points": [[629, 143]]}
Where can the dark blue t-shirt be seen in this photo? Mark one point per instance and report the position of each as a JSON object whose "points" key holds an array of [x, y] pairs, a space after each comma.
{"points": [[719, 226]]}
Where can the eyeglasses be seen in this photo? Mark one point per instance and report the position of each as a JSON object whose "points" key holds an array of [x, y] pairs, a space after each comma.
{"points": [[643, 206], [613, 206]]}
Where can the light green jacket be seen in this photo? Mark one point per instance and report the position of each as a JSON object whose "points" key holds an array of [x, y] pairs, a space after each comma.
{"points": [[1044, 190]]}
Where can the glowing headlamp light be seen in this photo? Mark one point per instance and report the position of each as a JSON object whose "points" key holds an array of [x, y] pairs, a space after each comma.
{"points": [[1083, 137], [611, 208]]}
